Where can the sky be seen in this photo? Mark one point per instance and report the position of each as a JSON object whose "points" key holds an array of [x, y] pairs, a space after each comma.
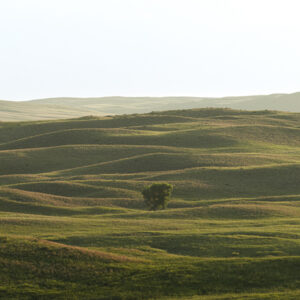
{"points": [[93, 48]]}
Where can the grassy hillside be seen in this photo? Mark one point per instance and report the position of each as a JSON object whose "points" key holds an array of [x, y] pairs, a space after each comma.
{"points": [[74, 225], [63, 108]]}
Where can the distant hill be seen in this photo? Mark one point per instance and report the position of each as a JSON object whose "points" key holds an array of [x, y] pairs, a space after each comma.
{"points": [[63, 108]]}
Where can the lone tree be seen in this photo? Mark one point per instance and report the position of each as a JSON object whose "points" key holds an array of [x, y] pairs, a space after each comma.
{"points": [[157, 195]]}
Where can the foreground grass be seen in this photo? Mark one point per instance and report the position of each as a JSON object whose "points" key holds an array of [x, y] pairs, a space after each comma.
{"points": [[46, 267]]}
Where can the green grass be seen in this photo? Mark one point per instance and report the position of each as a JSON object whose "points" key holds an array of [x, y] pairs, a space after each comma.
{"points": [[73, 224]]}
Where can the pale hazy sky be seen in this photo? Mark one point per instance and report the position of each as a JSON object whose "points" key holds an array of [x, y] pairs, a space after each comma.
{"points": [[52, 48]]}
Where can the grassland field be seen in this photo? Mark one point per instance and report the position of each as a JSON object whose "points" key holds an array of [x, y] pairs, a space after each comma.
{"points": [[73, 224]]}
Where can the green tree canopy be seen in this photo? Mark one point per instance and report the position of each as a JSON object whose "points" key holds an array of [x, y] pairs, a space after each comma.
{"points": [[157, 195]]}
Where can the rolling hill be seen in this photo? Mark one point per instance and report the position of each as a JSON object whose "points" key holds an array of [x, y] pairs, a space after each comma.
{"points": [[63, 108], [74, 225]]}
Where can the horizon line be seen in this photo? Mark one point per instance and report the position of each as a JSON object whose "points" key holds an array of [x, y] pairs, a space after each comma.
{"points": [[157, 96]]}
